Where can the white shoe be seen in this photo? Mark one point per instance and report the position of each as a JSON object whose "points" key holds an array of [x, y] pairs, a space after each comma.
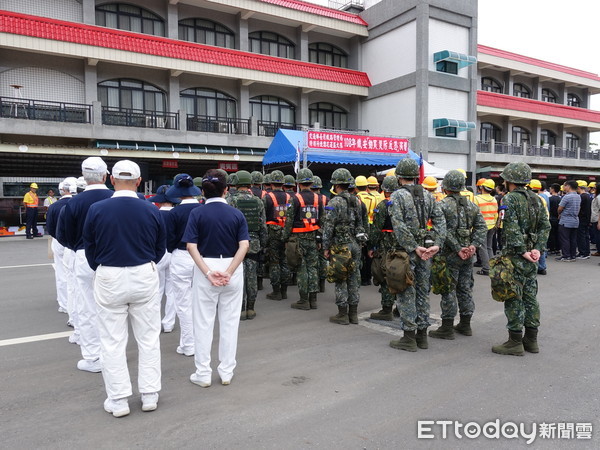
{"points": [[88, 365], [118, 407], [74, 339], [195, 378], [62, 310], [167, 330], [183, 351], [149, 401], [225, 382]]}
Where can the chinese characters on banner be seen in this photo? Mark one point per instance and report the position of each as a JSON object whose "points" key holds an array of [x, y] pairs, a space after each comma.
{"points": [[228, 166], [358, 143]]}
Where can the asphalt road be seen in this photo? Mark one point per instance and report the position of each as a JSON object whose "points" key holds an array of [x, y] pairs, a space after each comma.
{"points": [[302, 382]]}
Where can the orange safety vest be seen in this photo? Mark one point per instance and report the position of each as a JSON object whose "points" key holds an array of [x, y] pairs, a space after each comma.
{"points": [[309, 220], [279, 210], [489, 209], [34, 200]]}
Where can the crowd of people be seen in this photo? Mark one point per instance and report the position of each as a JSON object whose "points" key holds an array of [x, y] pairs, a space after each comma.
{"points": [[205, 244]]}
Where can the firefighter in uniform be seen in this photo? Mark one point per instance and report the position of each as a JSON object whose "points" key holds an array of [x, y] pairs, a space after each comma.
{"points": [[370, 201], [302, 220]]}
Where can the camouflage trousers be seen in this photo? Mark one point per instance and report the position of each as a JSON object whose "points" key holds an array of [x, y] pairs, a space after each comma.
{"points": [[347, 291], [308, 272], [250, 283], [278, 269], [413, 303], [524, 311], [322, 266], [387, 298], [461, 295]]}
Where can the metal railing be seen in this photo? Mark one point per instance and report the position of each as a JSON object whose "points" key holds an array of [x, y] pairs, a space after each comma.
{"points": [[23, 108], [210, 124], [547, 151], [266, 128], [139, 118]]}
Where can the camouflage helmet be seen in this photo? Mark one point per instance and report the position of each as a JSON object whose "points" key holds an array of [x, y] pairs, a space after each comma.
{"points": [[317, 183], [232, 179], [341, 176], [389, 184], [257, 177], [198, 182], [276, 177], [407, 168], [289, 180], [517, 172], [304, 176], [454, 181], [243, 178]]}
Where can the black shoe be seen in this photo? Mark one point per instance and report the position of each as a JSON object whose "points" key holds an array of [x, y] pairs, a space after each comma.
{"points": [[541, 271], [564, 259], [477, 264], [29, 237]]}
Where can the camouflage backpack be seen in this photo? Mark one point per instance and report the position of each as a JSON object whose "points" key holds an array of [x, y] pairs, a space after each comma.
{"points": [[292, 253], [398, 274], [504, 285], [442, 280], [340, 263], [377, 268]]}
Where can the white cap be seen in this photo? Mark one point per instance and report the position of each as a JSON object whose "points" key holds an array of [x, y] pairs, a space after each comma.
{"points": [[60, 186], [69, 184], [81, 184], [94, 164], [126, 170]]}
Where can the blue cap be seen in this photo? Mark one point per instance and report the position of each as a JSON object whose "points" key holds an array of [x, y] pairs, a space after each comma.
{"points": [[183, 186], [162, 197]]}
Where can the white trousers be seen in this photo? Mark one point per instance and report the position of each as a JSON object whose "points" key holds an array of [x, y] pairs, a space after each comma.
{"points": [[182, 273], [164, 289], [87, 311], [207, 300], [123, 292], [60, 274], [68, 262]]}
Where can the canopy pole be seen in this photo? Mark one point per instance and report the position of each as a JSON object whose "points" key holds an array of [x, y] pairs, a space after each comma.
{"points": [[304, 159]]}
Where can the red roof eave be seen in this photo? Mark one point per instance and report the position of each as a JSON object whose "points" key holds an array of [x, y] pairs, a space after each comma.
{"points": [[319, 10], [58, 30], [536, 62], [504, 101]]}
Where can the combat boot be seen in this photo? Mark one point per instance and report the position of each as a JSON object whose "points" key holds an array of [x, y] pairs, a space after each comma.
{"points": [[250, 313], [341, 317], [276, 294], [301, 304], [530, 340], [312, 300], [445, 331], [259, 283], [421, 338], [385, 313], [408, 342], [284, 291], [322, 285], [464, 326], [243, 315], [353, 314], [514, 345]]}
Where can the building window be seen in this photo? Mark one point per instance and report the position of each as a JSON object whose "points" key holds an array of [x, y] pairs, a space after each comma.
{"points": [[548, 96], [491, 85], [547, 137], [573, 100], [322, 53], [520, 90], [328, 115], [446, 132], [447, 67], [520, 135], [272, 44], [490, 131], [205, 31], [273, 109], [208, 102], [129, 17], [131, 94], [572, 141]]}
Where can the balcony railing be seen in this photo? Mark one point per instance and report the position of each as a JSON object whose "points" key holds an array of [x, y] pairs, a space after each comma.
{"points": [[550, 151], [22, 108], [208, 124], [139, 118], [266, 128]]}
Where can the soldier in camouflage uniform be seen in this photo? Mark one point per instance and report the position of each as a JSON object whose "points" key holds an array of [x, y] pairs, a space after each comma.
{"points": [[382, 240], [257, 190], [466, 230], [323, 199], [420, 229], [276, 203], [231, 185], [525, 233], [343, 227], [254, 211], [267, 182], [302, 219], [289, 184]]}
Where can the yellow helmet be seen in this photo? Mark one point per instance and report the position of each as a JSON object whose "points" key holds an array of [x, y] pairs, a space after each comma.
{"points": [[361, 181], [463, 172], [429, 183], [481, 181], [582, 183], [33, 185], [592, 184], [391, 173], [489, 183], [535, 184], [372, 181]]}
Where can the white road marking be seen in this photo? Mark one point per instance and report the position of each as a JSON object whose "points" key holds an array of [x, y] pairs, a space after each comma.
{"points": [[39, 337], [26, 265]]}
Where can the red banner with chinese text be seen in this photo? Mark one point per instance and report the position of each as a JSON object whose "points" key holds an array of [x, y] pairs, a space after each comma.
{"points": [[357, 143]]}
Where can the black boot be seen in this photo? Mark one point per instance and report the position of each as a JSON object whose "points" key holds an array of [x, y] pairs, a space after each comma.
{"points": [[301, 304], [250, 313], [312, 300], [259, 283], [341, 317], [322, 285], [464, 326], [514, 345], [446, 331], [408, 342], [420, 337], [353, 314], [530, 340], [284, 292], [385, 313], [276, 294]]}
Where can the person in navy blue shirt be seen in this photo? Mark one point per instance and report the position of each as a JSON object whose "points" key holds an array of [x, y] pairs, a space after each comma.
{"points": [[124, 240], [217, 240]]}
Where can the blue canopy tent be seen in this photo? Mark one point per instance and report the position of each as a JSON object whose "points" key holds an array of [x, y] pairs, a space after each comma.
{"points": [[287, 143]]}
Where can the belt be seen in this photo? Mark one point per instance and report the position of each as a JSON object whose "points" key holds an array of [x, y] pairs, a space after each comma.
{"points": [[217, 256]]}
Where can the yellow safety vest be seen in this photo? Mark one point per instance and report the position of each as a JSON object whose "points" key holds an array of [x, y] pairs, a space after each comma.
{"points": [[370, 202], [489, 209]]}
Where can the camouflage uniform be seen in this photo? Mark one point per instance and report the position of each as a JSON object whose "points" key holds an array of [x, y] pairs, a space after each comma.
{"points": [[316, 188], [253, 208]]}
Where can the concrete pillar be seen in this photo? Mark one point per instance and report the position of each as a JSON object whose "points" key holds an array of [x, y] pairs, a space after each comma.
{"points": [[473, 137], [243, 102], [422, 82], [536, 131], [96, 113], [508, 83], [242, 33], [561, 136], [355, 114], [562, 94], [301, 107], [506, 134], [536, 89], [182, 119], [301, 52], [173, 94], [91, 82], [89, 12], [585, 98], [172, 21], [253, 126]]}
